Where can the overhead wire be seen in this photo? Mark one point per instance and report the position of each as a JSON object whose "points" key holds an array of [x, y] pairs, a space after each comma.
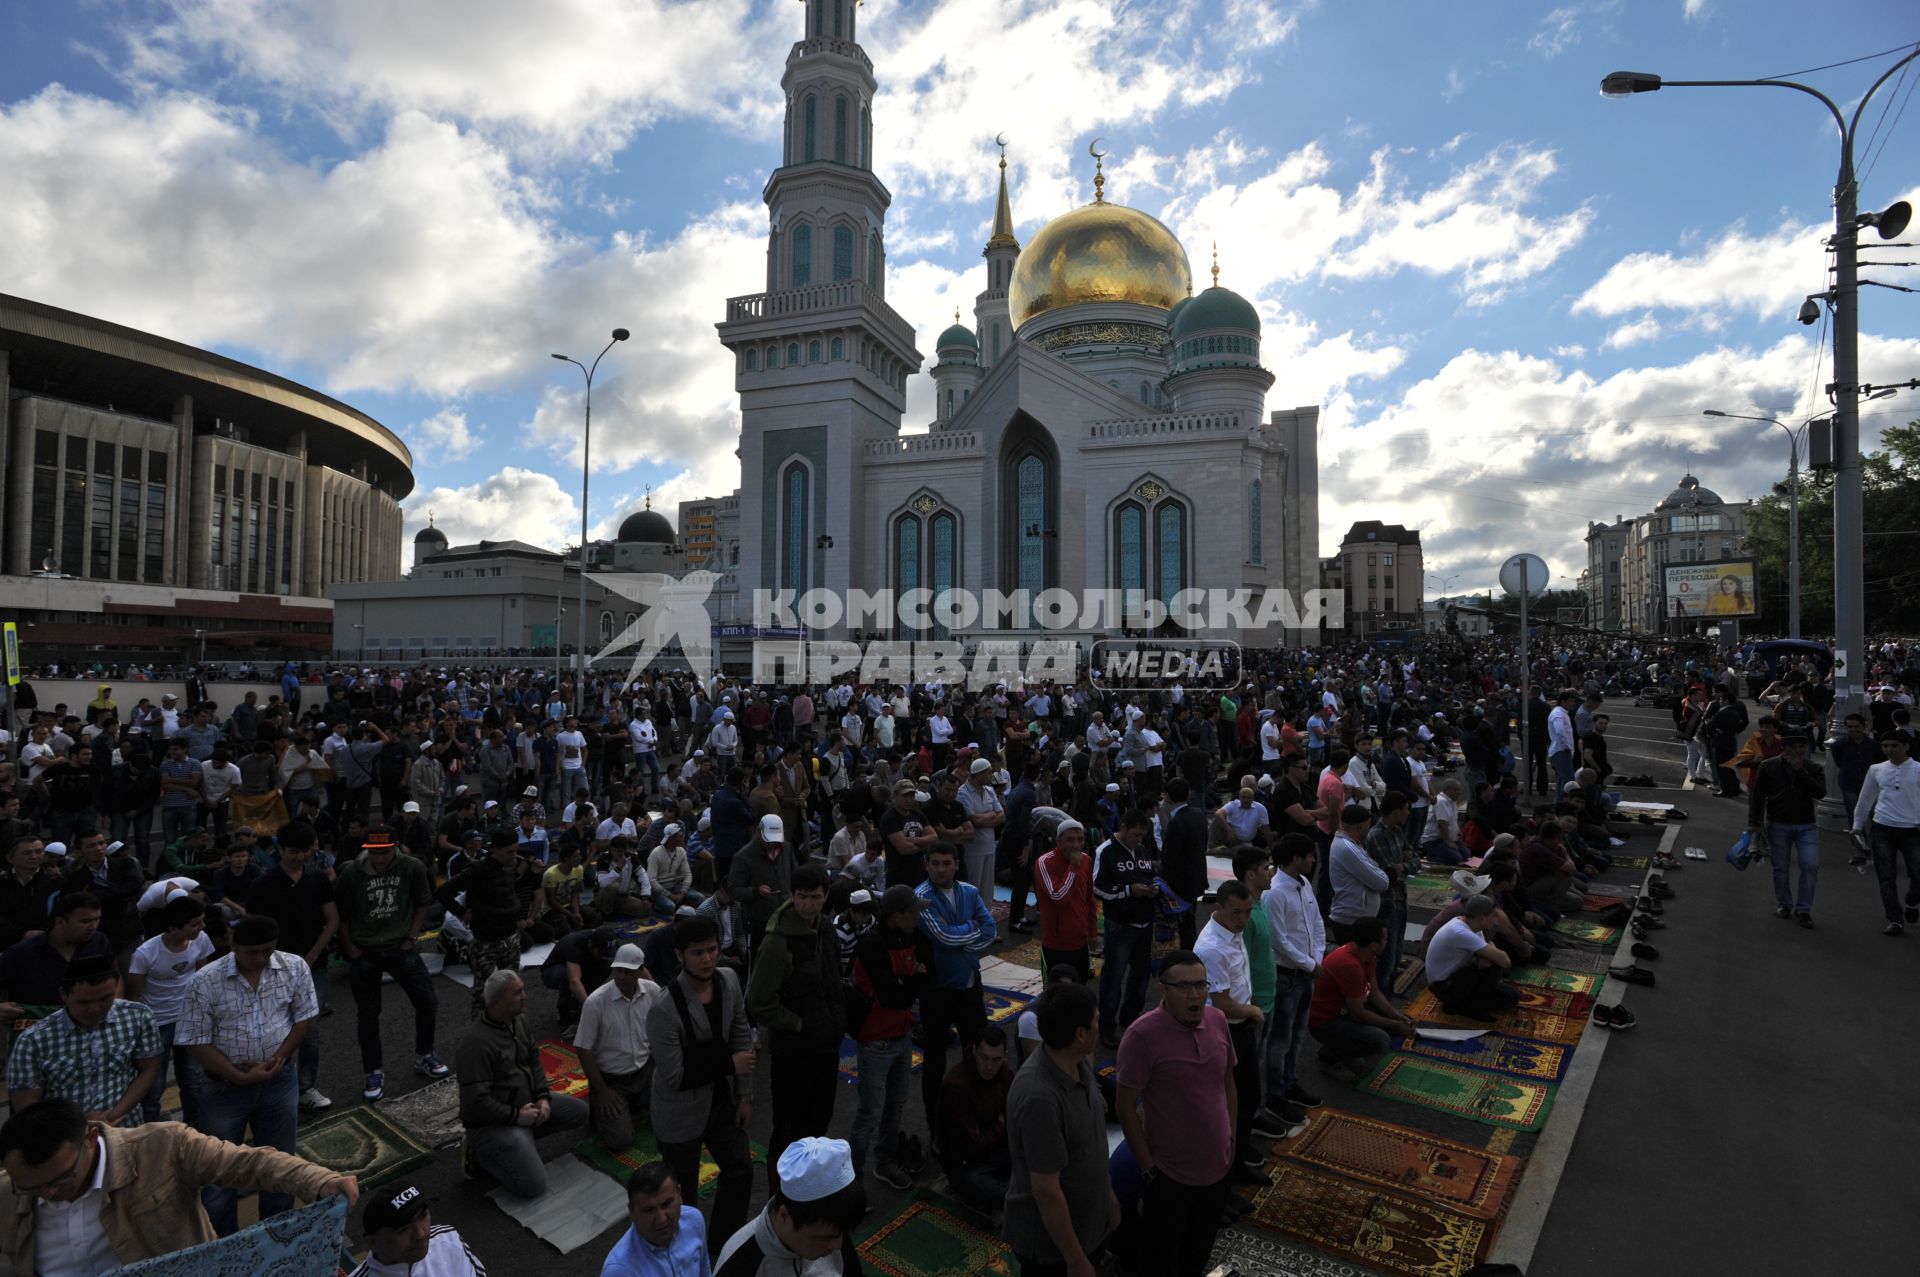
{"points": [[1873, 155], [1865, 57]]}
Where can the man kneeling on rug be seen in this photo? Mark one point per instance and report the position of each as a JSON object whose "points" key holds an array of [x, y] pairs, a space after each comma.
{"points": [[505, 1101], [1351, 1018], [806, 1227], [88, 1198], [1463, 966]]}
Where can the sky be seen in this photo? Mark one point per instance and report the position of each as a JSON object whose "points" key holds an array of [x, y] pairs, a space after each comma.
{"points": [[1511, 297]]}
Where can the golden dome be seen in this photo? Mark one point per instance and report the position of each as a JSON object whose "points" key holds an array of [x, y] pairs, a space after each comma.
{"points": [[1099, 253]]}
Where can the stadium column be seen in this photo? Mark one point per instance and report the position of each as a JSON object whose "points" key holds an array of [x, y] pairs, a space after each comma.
{"points": [[189, 503]]}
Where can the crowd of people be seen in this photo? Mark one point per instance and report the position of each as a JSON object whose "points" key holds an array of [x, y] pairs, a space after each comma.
{"points": [[722, 879]]}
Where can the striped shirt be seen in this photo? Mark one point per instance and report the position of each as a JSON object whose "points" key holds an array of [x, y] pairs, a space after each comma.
{"points": [[92, 1067], [246, 1023]]}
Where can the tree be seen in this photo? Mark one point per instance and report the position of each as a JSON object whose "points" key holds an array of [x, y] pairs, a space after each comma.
{"points": [[1890, 483]]}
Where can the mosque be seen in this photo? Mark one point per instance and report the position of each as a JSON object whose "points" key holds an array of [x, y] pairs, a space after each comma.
{"points": [[1099, 426]]}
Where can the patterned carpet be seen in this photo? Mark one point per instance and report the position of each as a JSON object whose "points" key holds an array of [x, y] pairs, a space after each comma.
{"points": [[1493, 1098], [1469, 1180], [363, 1142], [1383, 1230], [431, 1114], [935, 1237]]}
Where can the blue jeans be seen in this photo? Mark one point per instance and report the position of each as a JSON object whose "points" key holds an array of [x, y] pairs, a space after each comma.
{"points": [[271, 1109], [307, 1062], [886, 1078], [185, 1070], [1562, 761], [176, 823], [1292, 999], [1123, 978], [1804, 840], [1890, 846]]}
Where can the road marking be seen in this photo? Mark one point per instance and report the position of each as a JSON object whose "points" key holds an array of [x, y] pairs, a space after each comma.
{"points": [[1527, 1217]]}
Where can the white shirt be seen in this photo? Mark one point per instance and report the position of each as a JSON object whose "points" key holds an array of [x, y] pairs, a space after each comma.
{"points": [[614, 1028], [577, 744], [216, 781], [1269, 740], [1225, 956], [1299, 934], [1154, 743], [1452, 948], [1245, 820], [645, 735], [1559, 731], [167, 974], [1890, 795], [1419, 772], [609, 829], [1445, 812], [69, 1239], [940, 729]]}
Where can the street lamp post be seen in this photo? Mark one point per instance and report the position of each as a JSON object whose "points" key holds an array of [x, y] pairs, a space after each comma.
{"points": [[1793, 510], [1849, 609], [586, 456]]}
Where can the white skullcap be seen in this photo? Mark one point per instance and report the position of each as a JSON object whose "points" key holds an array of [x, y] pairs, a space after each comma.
{"points": [[814, 1167]]}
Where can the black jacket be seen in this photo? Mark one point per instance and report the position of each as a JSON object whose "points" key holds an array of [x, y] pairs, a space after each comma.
{"points": [[1115, 869], [1183, 861]]}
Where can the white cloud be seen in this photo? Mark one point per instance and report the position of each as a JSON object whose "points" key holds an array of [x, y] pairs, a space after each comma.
{"points": [[1456, 85], [513, 505], [445, 436], [556, 77], [1695, 10], [1760, 273], [1558, 32], [1645, 328]]}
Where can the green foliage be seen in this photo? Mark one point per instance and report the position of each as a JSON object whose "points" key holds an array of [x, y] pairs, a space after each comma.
{"points": [[1890, 481]]}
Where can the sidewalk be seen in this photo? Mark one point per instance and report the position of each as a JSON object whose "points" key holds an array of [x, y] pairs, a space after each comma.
{"points": [[1760, 1117]]}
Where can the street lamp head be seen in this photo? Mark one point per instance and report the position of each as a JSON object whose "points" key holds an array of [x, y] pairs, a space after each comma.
{"points": [[1714, 412], [1624, 84], [563, 359], [621, 334]]}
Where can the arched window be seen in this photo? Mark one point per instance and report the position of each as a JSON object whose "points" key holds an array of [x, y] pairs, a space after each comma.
{"points": [[1159, 397], [1146, 393], [873, 261], [632, 617], [753, 360], [996, 341], [949, 401], [794, 526], [606, 627], [1170, 539], [809, 129], [843, 252], [773, 356], [839, 120], [906, 564], [813, 352], [943, 566], [1130, 547], [1030, 514], [836, 19], [839, 349], [802, 255], [793, 353], [1253, 521]]}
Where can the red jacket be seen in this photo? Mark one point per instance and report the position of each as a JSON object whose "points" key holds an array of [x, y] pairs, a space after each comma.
{"points": [[1066, 900]]}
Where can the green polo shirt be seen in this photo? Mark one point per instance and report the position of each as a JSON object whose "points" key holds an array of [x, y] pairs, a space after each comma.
{"points": [[1258, 938]]}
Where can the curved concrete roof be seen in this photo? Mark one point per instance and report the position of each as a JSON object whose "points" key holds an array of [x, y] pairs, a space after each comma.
{"points": [[67, 355]]}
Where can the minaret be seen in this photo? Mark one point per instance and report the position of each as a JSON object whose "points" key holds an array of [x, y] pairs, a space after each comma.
{"points": [[820, 360], [990, 315], [956, 370]]}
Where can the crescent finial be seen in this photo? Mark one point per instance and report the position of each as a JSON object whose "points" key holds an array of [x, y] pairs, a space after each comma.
{"points": [[1093, 148], [1000, 140]]}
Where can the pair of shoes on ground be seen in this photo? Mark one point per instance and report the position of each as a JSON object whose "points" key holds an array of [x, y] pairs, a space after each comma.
{"points": [[1630, 975], [1613, 1017], [428, 1066], [889, 1172], [1803, 918]]}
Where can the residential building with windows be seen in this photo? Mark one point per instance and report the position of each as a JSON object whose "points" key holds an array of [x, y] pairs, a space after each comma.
{"points": [[1691, 524], [1384, 575]]}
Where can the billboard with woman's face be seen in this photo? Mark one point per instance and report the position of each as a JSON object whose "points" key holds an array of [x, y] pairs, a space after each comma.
{"points": [[1725, 588]]}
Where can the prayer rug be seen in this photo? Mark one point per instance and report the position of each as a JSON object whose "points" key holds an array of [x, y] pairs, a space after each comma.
{"points": [[1469, 1180], [1587, 982], [1493, 1098], [1537, 1001], [1567, 958], [363, 1142], [1385, 1231], [1501, 1141], [1004, 1005], [1632, 862], [1535, 1061], [934, 1237], [1585, 932], [1424, 895], [1026, 953], [1616, 892], [1595, 902], [564, 1075], [1413, 970], [1255, 1252], [634, 930], [430, 1114], [624, 1163], [578, 1206], [291, 1244], [850, 1061], [1540, 1026]]}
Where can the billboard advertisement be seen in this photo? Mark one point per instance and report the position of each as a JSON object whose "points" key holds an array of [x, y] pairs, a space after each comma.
{"points": [[1711, 590]]}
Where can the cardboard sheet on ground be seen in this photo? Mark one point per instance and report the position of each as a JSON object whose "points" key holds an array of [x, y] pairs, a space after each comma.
{"points": [[1448, 1035], [462, 974]]}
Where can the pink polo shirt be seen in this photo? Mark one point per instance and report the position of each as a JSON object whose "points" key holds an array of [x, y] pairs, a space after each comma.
{"points": [[1182, 1075]]}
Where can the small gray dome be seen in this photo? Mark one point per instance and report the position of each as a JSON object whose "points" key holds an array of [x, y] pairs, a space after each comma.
{"points": [[1689, 493], [646, 526]]}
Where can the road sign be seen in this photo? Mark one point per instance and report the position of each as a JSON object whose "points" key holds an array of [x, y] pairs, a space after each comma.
{"points": [[13, 654], [1524, 573]]}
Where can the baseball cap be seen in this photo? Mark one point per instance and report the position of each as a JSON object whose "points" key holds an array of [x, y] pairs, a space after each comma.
{"points": [[393, 1210], [410, 806], [1469, 883], [671, 830], [629, 958], [861, 897], [531, 791], [772, 829]]}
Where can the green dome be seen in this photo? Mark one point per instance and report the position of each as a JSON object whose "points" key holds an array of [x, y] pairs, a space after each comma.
{"points": [[958, 335], [1173, 316], [1215, 308]]}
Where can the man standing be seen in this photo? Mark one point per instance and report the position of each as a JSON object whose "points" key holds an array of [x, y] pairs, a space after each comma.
{"points": [[99, 1051], [891, 967], [1178, 1105], [383, 898], [1183, 856], [301, 903], [905, 838], [613, 1050], [32, 970], [795, 995], [1387, 847], [1785, 793], [986, 814], [487, 898], [1299, 940], [1352, 1019], [1123, 877], [506, 1103], [703, 1069], [1560, 739], [958, 923], [1060, 1203], [1230, 988], [246, 1015], [665, 1237], [1889, 808], [1358, 883], [762, 879], [1064, 877]]}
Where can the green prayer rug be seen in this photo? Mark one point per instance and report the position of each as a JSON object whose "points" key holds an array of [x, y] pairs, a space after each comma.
{"points": [[1498, 1052], [932, 1236], [1496, 1099], [1584, 932], [645, 1149], [1587, 982], [362, 1142]]}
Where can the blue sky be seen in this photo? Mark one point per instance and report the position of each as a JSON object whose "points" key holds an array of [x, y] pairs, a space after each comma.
{"points": [[1511, 297]]}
